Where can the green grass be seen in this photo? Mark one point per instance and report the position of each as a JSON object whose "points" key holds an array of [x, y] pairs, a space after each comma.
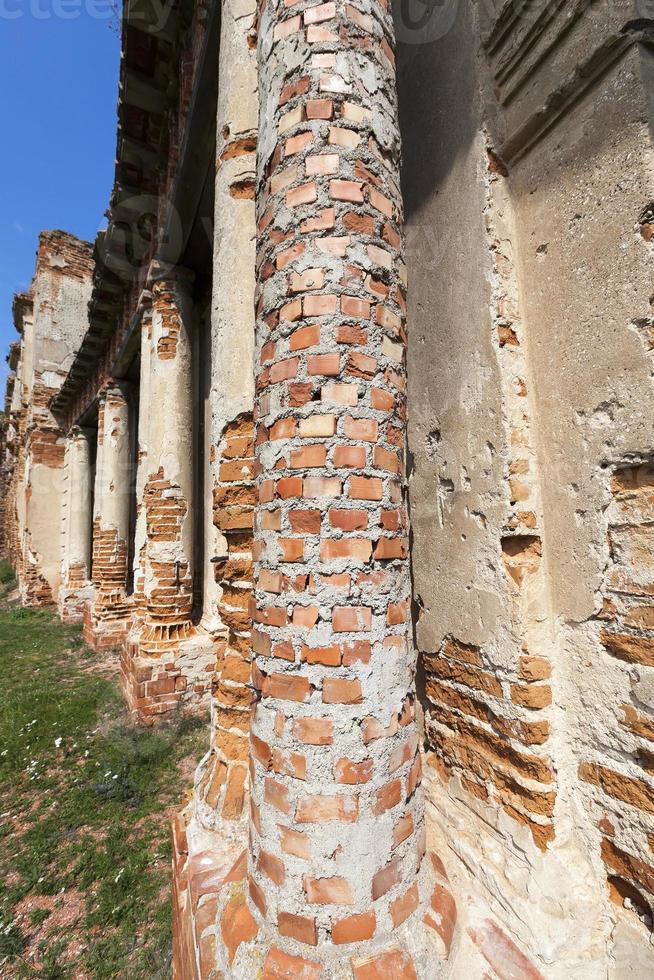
{"points": [[85, 803]]}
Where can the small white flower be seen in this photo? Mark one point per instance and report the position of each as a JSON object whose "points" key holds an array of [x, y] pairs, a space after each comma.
{"points": [[58, 741]]}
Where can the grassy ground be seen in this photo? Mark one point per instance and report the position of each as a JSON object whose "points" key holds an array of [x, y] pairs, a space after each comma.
{"points": [[85, 805]]}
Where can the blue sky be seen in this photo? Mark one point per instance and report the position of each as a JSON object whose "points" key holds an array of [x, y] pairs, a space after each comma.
{"points": [[59, 84]]}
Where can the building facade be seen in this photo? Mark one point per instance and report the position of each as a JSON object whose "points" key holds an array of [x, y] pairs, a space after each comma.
{"points": [[347, 423]]}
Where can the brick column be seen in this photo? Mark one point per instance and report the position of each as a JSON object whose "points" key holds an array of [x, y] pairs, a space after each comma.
{"points": [[140, 536], [337, 814], [168, 658], [169, 486], [220, 798], [78, 516], [107, 623]]}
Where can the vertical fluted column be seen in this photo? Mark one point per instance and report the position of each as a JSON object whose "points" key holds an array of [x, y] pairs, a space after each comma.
{"points": [[77, 510], [111, 518], [337, 816], [168, 491]]}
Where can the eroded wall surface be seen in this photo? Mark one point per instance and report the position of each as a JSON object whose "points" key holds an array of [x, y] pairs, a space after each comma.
{"points": [[53, 320], [527, 182]]}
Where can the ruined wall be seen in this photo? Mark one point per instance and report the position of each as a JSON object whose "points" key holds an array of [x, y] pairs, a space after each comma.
{"points": [[585, 263], [529, 386], [52, 332]]}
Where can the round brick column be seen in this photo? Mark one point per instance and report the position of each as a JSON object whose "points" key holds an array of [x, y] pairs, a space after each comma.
{"points": [[140, 536], [79, 507], [336, 810], [111, 520], [78, 515], [168, 490]]}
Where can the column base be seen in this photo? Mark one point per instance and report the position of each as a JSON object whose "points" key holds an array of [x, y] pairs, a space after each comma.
{"points": [[164, 666], [106, 621], [218, 933], [72, 603]]}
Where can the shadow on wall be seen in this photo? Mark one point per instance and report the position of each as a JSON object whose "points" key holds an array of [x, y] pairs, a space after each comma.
{"points": [[437, 94]]}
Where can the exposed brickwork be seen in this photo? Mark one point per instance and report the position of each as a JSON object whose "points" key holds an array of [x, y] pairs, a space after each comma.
{"points": [[222, 788], [106, 620], [333, 759], [489, 722], [621, 782], [167, 657]]}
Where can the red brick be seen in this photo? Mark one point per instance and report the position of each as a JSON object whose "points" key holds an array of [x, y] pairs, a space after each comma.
{"points": [[354, 928], [314, 731], [381, 203], [297, 927], [283, 429], [284, 370], [346, 190], [280, 966], [305, 337], [237, 925], [403, 829], [327, 656], [365, 488], [319, 108], [347, 619], [394, 964], [287, 687], [320, 164], [502, 953], [323, 809], [366, 430], [308, 457], [316, 15], [328, 891], [391, 548], [386, 878], [305, 194], [305, 521], [356, 652], [387, 797], [324, 364], [276, 794], [349, 456], [349, 334], [292, 548], [295, 843], [289, 486], [360, 549], [305, 617], [348, 520], [272, 867], [340, 394], [353, 306], [295, 144], [325, 220], [315, 487], [382, 400], [401, 908], [324, 305], [340, 690], [353, 773]]}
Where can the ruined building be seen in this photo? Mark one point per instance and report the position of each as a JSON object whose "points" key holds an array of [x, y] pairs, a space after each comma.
{"points": [[352, 448]]}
